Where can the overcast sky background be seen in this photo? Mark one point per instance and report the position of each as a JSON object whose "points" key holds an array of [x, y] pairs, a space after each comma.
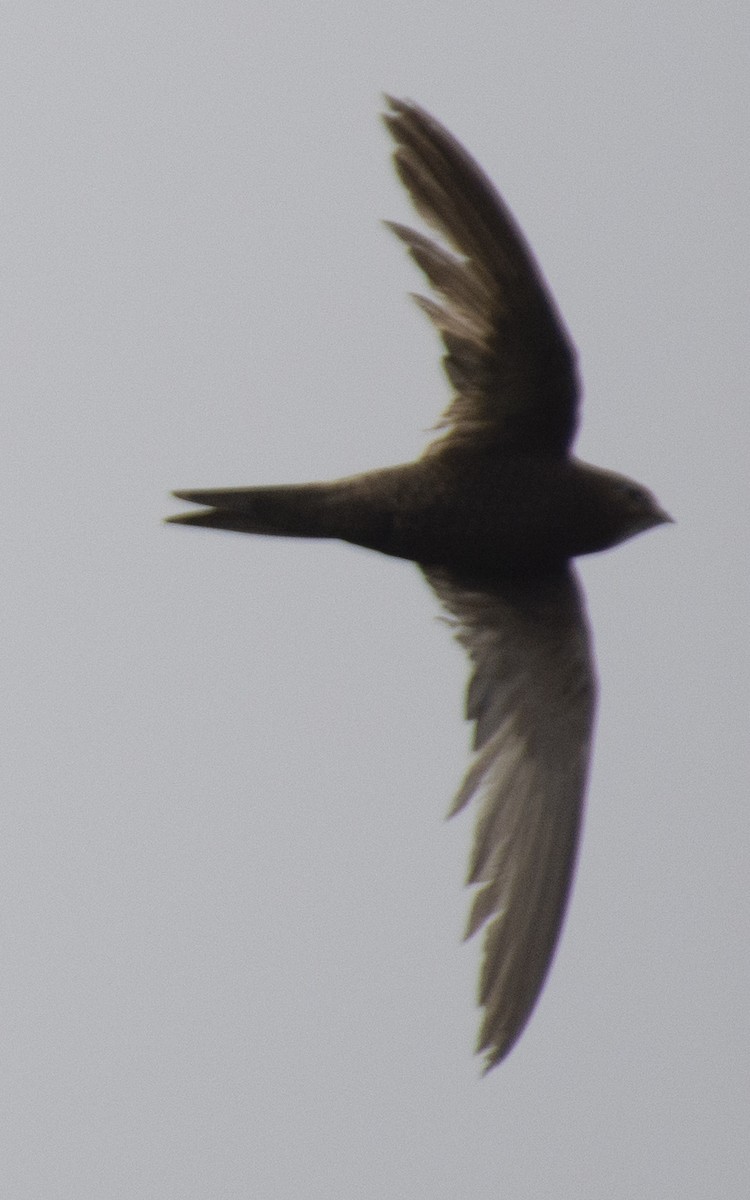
{"points": [[230, 910]]}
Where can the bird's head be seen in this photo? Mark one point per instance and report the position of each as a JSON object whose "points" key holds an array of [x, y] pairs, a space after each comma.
{"points": [[636, 508], [618, 508]]}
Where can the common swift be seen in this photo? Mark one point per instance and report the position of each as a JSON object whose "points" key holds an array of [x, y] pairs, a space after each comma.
{"points": [[493, 512]]}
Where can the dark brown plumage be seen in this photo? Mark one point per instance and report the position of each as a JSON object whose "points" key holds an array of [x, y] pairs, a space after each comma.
{"points": [[493, 512]]}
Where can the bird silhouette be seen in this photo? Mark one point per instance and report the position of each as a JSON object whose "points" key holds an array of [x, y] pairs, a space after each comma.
{"points": [[493, 512]]}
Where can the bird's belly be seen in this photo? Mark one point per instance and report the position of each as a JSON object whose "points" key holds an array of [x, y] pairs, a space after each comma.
{"points": [[493, 538], [495, 541], [495, 522]]}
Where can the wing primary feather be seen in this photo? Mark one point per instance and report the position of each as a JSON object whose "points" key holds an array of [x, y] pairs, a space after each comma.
{"points": [[510, 360], [531, 696]]}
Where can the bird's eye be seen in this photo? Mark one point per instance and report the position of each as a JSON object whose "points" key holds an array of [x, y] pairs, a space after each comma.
{"points": [[632, 492]]}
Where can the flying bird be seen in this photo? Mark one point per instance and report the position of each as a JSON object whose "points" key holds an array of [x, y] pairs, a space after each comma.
{"points": [[493, 512]]}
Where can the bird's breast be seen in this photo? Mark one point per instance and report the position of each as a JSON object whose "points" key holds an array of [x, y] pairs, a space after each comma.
{"points": [[481, 516]]}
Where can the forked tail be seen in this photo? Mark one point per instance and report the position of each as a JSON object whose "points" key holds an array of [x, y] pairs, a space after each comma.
{"points": [[301, 510]]}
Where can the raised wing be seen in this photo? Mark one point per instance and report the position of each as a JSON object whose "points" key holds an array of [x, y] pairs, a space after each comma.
{"points": [[509, 356], [532, 696]]}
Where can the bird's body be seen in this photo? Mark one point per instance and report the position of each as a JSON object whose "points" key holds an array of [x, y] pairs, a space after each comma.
{"points": [[489, 516], [492, 512]]}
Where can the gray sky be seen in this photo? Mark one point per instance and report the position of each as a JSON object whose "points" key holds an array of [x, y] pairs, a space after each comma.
{"points": [[231, 910]]}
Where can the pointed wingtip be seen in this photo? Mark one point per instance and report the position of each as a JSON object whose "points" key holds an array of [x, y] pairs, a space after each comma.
{"points": [[491, 1060], [395, 111]]}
